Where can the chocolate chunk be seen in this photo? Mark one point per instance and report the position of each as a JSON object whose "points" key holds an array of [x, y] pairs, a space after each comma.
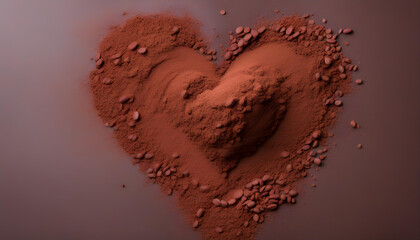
{"points": [[142, 50], [247, 37], [250, 204], [184, 94], [148, 155], [272, 207], [139, 155], [97, 57], [316, 134], [132, 72], [327, 60], [124, 99], [284, 154], [200, 212], [305, 147], [228, 55], [216, 202], [338, 102], [175, 30], [293, 192], [115, 56], [132, 137], [231, 102], [107, 81], [136, 116], [205, 188], [254, 33], [347, 30], [294, 35], [261, 29], [194, 182], [317, 76], [266, 178], [238, 194], [289, 30], [325, 78], [132, 46], [239, 30], [99, 63], [289, 168], [231, 201]]}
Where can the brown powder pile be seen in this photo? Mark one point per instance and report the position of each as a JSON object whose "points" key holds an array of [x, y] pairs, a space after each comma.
{"points": [[230, 141]]}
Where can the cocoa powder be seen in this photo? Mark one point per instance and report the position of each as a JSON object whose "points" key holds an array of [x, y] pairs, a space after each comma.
{"points": [[230, 141]]}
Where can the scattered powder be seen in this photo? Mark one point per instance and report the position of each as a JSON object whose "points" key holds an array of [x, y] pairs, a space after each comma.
{"points": [[229, 141]]}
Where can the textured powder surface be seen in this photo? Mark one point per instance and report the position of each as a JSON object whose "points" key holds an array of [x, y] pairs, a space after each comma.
{"points": [[231, 142]]}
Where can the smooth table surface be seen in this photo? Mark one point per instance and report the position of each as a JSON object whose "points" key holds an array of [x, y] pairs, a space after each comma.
{"points": [[61, 171]]}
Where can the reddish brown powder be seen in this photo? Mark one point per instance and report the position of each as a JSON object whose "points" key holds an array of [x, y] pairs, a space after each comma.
{"points": [[229, 141]]}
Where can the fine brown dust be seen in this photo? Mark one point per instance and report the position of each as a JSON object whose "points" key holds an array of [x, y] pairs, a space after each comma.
{"points": [[229, 141]]}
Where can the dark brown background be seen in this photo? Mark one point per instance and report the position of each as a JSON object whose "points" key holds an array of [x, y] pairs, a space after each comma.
{"points": [[61, 170]]}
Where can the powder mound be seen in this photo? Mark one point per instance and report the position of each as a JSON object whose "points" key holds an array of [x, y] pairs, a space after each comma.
{"points": [[228, 118], [261, 116]]}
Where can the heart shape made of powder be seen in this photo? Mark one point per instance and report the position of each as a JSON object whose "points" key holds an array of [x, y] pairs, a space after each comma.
{"points": [[173, 110]]}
